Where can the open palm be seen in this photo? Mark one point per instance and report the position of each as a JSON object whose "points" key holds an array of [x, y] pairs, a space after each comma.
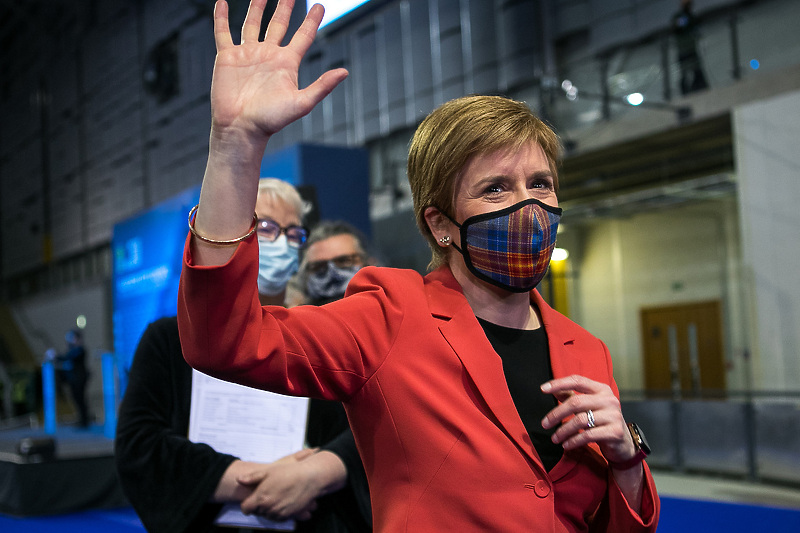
{"points": [[255, 84]]}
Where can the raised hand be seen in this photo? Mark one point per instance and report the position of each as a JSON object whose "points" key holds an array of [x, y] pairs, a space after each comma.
{"points": [[254, 93], [255, 84]]}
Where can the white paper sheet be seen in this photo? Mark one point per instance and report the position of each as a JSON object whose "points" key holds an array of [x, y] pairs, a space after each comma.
{"points": [[251, 424]]}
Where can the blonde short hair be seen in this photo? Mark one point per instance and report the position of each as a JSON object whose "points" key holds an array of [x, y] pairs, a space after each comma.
{"points": [[455, 132]]}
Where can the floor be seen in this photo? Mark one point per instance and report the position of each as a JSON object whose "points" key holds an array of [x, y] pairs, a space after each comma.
{"points": [[689, 504], [122, 520], [724, 490], [709, 505]]}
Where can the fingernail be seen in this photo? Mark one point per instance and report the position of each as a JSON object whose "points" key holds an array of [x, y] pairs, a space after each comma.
{"points": [[546, 387]]}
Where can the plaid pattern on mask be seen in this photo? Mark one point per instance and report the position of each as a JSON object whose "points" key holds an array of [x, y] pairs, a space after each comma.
{"points": [[513, 249]]}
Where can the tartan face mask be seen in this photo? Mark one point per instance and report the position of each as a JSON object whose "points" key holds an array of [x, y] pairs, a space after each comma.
{"points": [[510, 248]]}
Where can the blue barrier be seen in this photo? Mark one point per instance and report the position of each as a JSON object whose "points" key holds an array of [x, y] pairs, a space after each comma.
{"points": [[109, 396], [49, 397]]}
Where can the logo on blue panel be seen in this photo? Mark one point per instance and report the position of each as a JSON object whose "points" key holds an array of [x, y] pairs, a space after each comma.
{"points": [[128, 255]]}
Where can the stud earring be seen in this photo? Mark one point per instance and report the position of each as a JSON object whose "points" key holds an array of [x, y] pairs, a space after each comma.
{"points": [[445, 240]]}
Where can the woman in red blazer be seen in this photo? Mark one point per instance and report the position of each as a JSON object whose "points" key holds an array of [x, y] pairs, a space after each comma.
{"points": [[475, 406]]}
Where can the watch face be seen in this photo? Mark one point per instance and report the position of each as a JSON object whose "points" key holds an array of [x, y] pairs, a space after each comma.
{"points": [[639, 438]]}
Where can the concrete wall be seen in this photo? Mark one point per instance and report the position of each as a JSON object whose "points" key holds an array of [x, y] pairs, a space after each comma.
{"points": [[768, 161]]}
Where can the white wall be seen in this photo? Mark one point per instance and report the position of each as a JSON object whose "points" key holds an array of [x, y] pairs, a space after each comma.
{"points": [[681, 255], [767, 134]]}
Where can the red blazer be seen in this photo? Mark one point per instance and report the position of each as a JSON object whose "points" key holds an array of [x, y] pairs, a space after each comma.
{"points": [[441, 440]]}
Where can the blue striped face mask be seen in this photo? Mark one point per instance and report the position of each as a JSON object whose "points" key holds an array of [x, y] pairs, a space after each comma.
{"points": [[510, 248]]}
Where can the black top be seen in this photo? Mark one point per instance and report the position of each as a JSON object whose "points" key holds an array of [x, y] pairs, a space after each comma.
{"points": [[168, 479], [73, 360], [684, 24], [526, 364], [348, 510]]}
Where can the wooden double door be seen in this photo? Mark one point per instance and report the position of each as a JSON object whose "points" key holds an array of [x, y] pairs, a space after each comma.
{"points": [[683, 348]]}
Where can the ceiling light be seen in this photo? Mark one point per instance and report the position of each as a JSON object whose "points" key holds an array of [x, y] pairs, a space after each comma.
{"points": [[634, 99], [559, 254]]}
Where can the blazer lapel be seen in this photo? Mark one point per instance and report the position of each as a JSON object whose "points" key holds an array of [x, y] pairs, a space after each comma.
{"points": [[560, 341], [462, 331], [565, 360]]}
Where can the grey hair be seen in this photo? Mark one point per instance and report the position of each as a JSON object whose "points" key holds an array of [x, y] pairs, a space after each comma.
{"points": [[325, 230], [277, 189], [331, 228]]}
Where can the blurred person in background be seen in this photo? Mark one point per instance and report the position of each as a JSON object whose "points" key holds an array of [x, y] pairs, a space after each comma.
{"points": [[684, 26], [71, 371]]}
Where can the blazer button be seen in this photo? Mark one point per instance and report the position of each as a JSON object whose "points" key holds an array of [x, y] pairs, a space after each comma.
{"points": [[542, 489]]}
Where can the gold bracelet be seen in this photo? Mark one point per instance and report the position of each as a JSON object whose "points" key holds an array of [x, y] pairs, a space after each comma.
{"points": [[227, 242]]}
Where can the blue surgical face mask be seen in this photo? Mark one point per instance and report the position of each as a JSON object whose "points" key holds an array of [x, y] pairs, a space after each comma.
{"points": [[277, 262]]}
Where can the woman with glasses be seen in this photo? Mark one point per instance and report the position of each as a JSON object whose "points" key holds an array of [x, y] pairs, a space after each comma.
{"points": [[281, 235], [475, 406], [176, 485]]}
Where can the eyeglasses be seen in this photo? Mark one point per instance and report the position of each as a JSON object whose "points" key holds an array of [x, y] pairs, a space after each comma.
{"points": [[269, 229], [317, 268]]}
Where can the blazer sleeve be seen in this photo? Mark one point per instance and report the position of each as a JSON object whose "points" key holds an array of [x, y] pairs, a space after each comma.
{"points": [[615, 514], [323, 352], [167, 478], [620, 517]]}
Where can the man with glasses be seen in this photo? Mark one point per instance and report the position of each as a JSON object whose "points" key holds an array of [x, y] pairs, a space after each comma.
{"points": [[332, 255], [334, 252]]}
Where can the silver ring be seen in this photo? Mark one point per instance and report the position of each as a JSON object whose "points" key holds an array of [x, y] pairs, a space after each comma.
{"points": [[590, 416]]}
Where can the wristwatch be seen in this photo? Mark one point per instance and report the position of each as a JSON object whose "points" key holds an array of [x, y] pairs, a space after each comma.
{"points": [[642, 449]]}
